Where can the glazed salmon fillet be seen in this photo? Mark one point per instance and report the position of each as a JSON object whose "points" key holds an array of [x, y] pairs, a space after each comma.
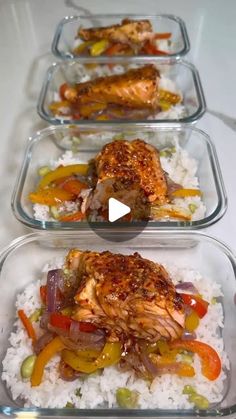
{"points": [[127, 295], [137, 88], [132, 164], [134, 31]]}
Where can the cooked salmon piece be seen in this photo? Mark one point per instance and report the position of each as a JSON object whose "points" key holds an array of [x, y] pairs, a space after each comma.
{"points": [[127, 295], [128, 31], [130, 168], [137, 88]]}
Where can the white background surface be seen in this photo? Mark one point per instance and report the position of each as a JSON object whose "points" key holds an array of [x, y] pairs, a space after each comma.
{"points": [[26, 31]]}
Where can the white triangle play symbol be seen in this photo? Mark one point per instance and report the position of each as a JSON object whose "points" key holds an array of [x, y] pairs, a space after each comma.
{"points": [[116, 209]]}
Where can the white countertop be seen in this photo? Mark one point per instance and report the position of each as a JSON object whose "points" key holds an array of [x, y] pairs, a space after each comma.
{"points": [[26, 31]]}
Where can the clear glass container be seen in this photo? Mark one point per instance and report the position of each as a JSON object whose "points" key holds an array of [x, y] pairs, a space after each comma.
{"points": [[64, 39], [183, 74], [49, 144], [22, 262]]}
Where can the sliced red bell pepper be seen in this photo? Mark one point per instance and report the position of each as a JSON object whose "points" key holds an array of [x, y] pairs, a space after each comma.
{"points": [[60, 321], [64, 322], [87, 327], [211, 363], [199, 305]]}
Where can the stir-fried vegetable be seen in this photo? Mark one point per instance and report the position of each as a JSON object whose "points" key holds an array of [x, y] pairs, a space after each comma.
{"points": [[183, 193], [99, 47], [27, 366], [211, 363], [192, 321], [110, 355], [126, 398], [62, 171], [52, 348], [199, 401], [51, 196], [199, 305], [34, 317], [27, 324]]}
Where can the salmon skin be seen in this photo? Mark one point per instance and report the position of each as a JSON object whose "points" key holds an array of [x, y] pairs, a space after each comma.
{"points": [[127, 295], [137, 88], [128, 31]]}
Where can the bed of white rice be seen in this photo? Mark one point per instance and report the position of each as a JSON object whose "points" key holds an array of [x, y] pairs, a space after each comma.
{"points": [[181, 168], [99, 390]]}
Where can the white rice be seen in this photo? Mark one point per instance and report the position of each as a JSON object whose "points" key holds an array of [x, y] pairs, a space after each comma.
{"points": [[181, 168], [99, 390]]}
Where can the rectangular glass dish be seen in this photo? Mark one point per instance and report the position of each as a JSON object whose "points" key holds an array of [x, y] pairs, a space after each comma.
{"points": [[26, 256], [180, 74], [49, 144], [64, 39]]}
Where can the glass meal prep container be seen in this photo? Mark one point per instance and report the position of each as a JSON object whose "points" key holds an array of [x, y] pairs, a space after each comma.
{"points": [[25, 258], [64, 41], [180, 74], [48, 145]]}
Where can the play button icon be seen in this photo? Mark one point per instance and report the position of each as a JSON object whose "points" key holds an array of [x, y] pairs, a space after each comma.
{"points": [[116, 210]]}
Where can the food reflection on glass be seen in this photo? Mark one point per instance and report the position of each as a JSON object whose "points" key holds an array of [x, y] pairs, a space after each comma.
{"points": [[138, 93], [130, 37], [110, 330], [156, 185]]}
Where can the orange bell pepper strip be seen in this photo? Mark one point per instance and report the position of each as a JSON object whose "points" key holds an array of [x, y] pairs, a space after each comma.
{"points": [[27, 324], [163, 35], [51, 349], [51, 196], [151, 49], [43, 293], [211, 363], [183, 193], [74, 186], [62, 171], [76, 216]]}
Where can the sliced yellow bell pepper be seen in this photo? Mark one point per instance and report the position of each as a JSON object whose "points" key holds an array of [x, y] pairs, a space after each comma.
{"points": [[183, 193], [62, 171], [99, 47], [191, 321], [51, 196], [169, 97], [159, 212], [57, 106], [87, 110], [82, 47], [110, 355], [51, 349]]}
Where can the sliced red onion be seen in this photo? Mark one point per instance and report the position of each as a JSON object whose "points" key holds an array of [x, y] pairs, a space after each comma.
{"points": [[90, 338], [150, 367], [44, 320], [80, 346], [55, 280], [40, 343], [188, 335], [187, 286]]}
